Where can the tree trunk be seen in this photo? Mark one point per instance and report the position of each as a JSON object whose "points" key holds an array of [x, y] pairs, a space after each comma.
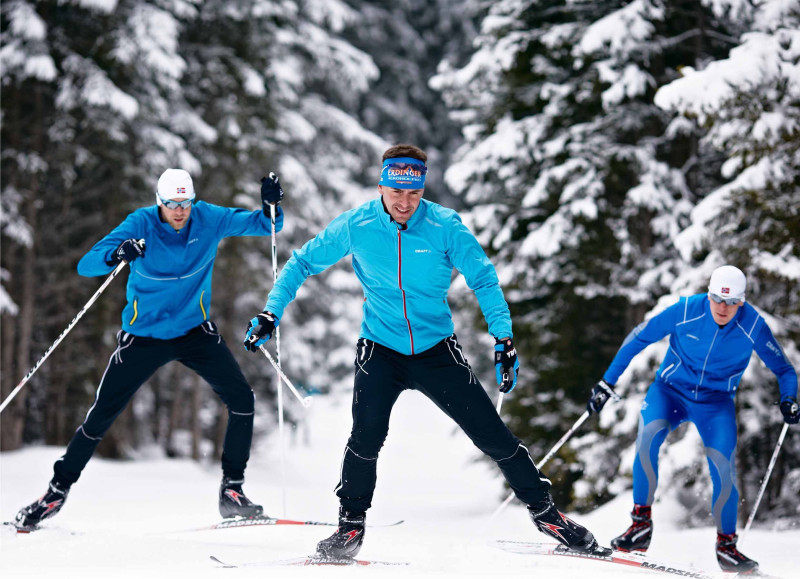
{"points": [[197, 430], [174, 414], [222, 425]]}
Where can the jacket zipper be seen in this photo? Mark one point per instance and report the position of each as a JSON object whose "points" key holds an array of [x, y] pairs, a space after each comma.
{"points": [[402, 291], [705, 363]]}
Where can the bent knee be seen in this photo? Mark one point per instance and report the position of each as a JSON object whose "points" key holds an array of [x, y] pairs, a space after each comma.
{"points": [[241, 401]]}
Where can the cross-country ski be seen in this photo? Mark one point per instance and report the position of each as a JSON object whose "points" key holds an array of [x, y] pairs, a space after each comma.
{"points": [[271, 521], [311, 561], [625, 559]]}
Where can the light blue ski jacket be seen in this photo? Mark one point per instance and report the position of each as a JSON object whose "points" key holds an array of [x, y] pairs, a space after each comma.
{"points": [[169, 289], [405, 273], [701, 355]]}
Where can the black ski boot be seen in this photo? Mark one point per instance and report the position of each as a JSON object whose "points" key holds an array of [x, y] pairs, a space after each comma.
{"points": [[550, 521], [638, 535], [730, 558], [346, 542], [28, 518], [233, 502]]}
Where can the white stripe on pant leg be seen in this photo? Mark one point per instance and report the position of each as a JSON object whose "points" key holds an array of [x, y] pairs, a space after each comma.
{"points": [[116, 356], [456, 348]]}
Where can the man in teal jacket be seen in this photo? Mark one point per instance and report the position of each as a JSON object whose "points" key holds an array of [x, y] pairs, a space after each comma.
{"points": [[171, 247], [404, 249]]}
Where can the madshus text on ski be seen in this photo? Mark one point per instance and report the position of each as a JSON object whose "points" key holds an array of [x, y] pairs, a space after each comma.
{"points": [[404, 249]]}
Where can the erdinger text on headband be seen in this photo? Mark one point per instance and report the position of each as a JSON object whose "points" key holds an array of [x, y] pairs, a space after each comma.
{"points": [[403, 173]]}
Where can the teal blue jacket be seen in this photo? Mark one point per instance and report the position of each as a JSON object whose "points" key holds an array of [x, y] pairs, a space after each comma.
{"points": [[169, 289], [405, 273]]}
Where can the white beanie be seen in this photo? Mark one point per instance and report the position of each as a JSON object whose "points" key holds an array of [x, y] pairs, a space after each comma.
{"points": [[175, 183], [728, 282]]}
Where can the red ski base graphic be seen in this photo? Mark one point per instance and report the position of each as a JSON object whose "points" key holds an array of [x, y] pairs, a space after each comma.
{"points": [[310, 561]]}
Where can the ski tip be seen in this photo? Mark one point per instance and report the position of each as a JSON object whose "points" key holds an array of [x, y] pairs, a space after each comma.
{"points": [[220, 562], [21, 530]]}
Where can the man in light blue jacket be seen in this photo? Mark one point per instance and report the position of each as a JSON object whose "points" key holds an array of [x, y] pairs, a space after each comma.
{"points": [[171, 247], [403, 250], [711, 339]]}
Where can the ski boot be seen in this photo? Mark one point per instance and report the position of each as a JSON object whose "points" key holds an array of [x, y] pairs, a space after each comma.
{"points": [[28, 518], [638, 535], [731, 559], [346, 542], [234, 503], [550, 521]]}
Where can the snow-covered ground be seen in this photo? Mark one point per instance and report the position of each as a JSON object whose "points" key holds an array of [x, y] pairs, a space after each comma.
{"points": [[125, 519]]}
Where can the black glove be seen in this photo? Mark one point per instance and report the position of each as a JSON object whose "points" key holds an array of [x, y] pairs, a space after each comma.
{"points": [[259, 330], [790, 411], [128, 250], [506, 365], [601, 392], [271, 192]]}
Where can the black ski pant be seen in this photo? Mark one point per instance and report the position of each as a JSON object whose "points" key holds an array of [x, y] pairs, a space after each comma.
{"points": [[442, 374], [133, 362]]}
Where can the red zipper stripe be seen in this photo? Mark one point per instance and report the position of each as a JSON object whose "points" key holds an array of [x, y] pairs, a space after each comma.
{"points": [[400, 282]]}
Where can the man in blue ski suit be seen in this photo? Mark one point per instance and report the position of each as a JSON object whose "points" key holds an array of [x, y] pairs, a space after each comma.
{"points": [[711, 339], [171, 247], [403, 250]]}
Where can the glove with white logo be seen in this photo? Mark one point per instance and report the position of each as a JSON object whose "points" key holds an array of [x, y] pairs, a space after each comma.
{"points": [[506, 364], [791, 411], [128, 251], [601, 392], [259, 330]]}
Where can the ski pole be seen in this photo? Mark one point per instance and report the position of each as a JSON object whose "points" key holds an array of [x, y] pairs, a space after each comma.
{"points": [[499, 402], [64, 333], [772, 462], [274, 242], [547, 457], [303, 400]]}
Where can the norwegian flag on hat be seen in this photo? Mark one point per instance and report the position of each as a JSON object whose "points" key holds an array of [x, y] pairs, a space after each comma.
{"points": [[725, 291]]}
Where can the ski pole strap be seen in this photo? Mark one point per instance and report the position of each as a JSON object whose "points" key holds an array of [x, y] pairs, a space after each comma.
{"points": [[608, 389]]}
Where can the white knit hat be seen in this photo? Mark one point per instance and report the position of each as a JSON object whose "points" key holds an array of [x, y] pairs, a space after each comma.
{"points": [[728, 282], [175, 183]]}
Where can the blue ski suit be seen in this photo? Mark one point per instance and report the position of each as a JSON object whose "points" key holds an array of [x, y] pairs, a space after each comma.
{"points": [[407, 339], [167, 318], [697, 382]]}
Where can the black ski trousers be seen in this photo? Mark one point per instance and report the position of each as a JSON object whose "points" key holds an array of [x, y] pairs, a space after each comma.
{"points": [[133, 362], [442, 374]]}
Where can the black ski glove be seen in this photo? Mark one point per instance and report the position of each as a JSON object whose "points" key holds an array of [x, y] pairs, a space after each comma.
{"points": [[601, 392], [259, 330], [506, 364], [271, 192], [128, 250], [790, 411]]}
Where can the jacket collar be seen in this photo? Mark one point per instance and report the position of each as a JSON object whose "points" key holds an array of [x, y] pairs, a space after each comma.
{"points": [[387, 221]]}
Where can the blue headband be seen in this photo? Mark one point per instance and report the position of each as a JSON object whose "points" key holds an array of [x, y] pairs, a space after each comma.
{"points": [[403, 173]]}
